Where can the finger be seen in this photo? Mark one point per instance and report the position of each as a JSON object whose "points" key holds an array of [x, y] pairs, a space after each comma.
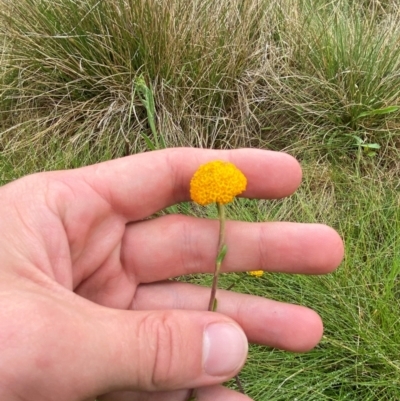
{"points": [[276, 324], [139, 185], [163, 350], [178, 245], [212, 393]]}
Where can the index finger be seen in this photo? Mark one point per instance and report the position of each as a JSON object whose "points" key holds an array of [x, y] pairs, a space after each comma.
{"points": [[140, 185]]}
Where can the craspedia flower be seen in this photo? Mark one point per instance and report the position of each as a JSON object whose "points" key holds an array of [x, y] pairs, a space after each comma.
{"points": [[256, 273], [217, 182]]}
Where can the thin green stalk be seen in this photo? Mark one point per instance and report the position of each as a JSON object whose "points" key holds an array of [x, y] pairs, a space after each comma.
{"points": [[212, 305]]}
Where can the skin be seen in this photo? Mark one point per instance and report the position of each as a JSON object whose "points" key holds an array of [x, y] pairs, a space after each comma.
{"points": [[86, 307]]}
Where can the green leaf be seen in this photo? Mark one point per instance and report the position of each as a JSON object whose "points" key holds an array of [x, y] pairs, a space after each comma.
{"points": [[385, 110], [148, 141], [371, 145], [357, 139]]}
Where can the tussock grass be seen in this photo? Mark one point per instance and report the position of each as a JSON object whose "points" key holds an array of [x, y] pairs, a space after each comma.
{"points": [[331, 74], [222, 74], [75, 64]]}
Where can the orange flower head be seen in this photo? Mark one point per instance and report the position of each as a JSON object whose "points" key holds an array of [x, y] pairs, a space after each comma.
{"points": [[217, 182]]}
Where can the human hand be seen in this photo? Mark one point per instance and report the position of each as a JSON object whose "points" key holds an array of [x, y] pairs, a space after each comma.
{"points": [[85, 306]]}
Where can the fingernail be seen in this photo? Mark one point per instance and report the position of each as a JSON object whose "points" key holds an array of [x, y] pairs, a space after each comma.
{"points": [[224, 349]]}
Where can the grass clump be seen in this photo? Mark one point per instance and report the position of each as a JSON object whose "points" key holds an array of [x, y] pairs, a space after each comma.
{"points": [[222, 74], [332, 74], [75, 65]]}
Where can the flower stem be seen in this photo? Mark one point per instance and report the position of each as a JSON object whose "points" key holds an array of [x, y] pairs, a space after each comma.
{"points": [[212, 305]]}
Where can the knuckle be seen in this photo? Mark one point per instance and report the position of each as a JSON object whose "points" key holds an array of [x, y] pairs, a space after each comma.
{"points": [[263, 248], [192, 257], [164, 349]]}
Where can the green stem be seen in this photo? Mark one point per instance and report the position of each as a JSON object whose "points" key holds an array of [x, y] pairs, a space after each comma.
{"points": [[220, 256], [212, 305], [222, 249]]}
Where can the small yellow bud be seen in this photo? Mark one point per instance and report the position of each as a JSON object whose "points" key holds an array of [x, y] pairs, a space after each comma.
{"points": [[256, 273]]}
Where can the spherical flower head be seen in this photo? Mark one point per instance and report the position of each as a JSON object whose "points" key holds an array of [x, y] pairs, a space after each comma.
{"points": [[256, 273], [217, 182]]}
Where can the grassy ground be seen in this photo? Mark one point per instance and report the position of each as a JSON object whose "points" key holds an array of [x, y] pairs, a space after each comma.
{"points": [[86, 81]]}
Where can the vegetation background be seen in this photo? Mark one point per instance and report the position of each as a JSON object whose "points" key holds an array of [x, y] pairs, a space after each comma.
{"points": [[83, 81]]}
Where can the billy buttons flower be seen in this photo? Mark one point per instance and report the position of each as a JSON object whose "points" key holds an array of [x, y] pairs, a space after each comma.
{"points": [[217, 182]]}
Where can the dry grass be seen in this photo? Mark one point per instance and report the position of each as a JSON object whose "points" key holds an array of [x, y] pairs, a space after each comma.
{"points": [[223, 74]]}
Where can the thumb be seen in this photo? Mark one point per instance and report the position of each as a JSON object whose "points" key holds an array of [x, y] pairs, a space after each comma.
{"points": [[165, 350]]}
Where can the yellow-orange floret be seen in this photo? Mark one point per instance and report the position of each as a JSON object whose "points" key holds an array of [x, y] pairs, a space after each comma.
{"points": [[217, 182], [256, 273]]}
